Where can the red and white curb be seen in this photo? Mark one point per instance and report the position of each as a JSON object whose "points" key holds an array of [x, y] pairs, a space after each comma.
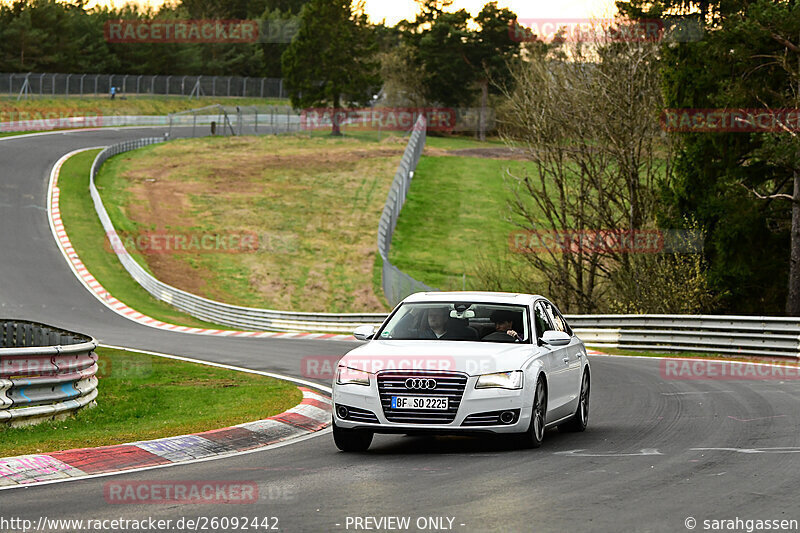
{"points": [[311, 415], [89, 281]]}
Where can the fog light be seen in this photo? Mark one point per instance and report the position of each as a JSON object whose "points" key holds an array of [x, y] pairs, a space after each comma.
{"points": [[342, 411], [507, 417]]}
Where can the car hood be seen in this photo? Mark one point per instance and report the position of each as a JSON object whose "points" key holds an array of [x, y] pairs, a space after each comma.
{"points": [[471, 357]]}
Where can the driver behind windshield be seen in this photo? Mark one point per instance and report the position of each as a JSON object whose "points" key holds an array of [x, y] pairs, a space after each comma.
{"points": [[436, 324], [440, 325]]}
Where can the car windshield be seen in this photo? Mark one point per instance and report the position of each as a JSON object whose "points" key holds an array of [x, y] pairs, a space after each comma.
{"points": [[458, 321]]}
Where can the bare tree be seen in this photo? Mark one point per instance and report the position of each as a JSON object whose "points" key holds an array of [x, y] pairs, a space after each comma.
{"points": [[402, 77], [586, 115]]}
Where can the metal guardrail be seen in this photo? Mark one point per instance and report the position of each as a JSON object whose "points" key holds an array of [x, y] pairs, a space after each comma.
{"points": [[209, 310], [45, 372], [733, 335], [396, 283]]}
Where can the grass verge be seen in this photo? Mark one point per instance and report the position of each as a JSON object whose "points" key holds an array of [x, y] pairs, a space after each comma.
{"points": [[313, 201], [89, 240], [456, 210], [143, 397]]}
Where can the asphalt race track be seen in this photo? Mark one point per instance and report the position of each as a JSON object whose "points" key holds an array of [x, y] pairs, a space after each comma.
{"points": [[657, 450]]}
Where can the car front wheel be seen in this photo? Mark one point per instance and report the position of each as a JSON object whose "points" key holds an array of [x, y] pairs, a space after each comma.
{"points": [[581, 417], [535, 435], [351, 440]]}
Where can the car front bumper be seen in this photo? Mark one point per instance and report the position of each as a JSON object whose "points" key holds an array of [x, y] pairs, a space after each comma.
{"points": [[365, 411]]}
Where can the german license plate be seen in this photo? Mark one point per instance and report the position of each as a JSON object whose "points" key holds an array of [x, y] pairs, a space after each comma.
{"points": [[419, 402]]}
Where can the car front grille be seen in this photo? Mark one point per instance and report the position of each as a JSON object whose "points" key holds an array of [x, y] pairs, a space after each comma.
{"points": [[449, 384]]}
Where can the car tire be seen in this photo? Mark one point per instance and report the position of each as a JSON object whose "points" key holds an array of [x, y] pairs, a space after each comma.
{"points": [[535, 435], [580, 419], [352, 440]]}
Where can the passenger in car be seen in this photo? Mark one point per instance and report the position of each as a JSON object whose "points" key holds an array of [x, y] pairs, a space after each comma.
{"points": [[503, 324]]}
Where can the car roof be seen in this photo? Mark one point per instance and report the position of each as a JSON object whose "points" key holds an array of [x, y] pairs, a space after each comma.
{"points": [[472, 296]]}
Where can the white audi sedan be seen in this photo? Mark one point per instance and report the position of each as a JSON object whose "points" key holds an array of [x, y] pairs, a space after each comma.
{"points": [[461, 363]]}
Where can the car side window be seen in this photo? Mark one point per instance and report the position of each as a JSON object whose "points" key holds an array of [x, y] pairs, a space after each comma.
{"points": [[542, 321], [567, 329], [556, 318]]}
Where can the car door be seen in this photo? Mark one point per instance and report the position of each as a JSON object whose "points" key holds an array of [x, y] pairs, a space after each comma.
{"points": [[573, 354], [557, 367]]}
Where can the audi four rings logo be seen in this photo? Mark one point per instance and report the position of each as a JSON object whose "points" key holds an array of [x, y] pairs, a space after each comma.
{"points": [[419, 383]]}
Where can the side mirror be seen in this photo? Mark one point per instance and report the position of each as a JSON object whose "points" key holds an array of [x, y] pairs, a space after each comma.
{"points": [[556, 338], [364, 333]]}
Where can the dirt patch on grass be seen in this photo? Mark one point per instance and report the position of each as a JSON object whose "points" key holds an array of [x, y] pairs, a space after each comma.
{"points": [[486, 153], [208, 383], [176, 272], [159, 202], [314, 205]]}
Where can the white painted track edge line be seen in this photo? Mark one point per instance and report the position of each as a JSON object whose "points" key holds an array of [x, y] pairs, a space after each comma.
{"points": [[80, 130], [225, 366]]}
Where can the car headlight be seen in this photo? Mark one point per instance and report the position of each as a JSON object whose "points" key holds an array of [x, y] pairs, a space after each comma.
{"points": [[500, 380], [351, 376]]}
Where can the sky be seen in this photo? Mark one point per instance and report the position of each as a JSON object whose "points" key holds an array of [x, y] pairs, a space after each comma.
{"points": [[394, 11]]}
